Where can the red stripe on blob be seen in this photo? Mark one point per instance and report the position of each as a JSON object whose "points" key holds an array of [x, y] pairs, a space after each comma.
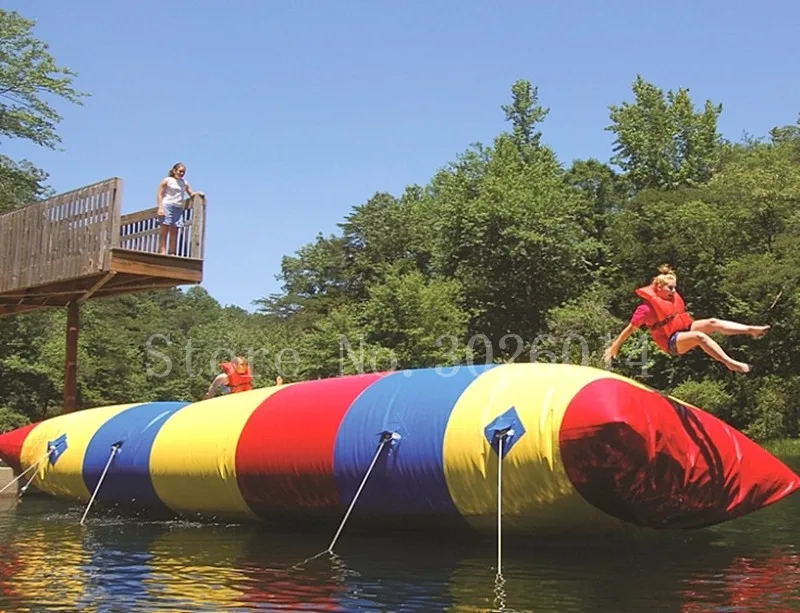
{"points": [[652, 461], [11, 445], [284, 459]]}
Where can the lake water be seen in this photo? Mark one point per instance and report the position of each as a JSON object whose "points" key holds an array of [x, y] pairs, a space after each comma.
{"points": [[48, 562]]}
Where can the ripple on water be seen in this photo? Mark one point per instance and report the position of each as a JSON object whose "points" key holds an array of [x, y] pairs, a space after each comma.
{"points": [[49, 562]]}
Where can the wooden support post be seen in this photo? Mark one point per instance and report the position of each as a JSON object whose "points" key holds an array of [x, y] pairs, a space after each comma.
{"points": [[71, 372]]}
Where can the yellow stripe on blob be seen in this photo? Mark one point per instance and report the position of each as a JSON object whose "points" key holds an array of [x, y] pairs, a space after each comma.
{"points": [[537, 493], [193, 459], [73, 433]]}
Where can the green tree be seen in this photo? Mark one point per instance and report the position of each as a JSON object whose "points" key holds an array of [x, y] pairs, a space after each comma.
{"points": [[422, 322], [708, 394], [337, 345], [787, 134], [387, 231], [29, 77], [516, 244], [661, 141], [314, 282], [603, 192], [525, 114], [30, 385]]}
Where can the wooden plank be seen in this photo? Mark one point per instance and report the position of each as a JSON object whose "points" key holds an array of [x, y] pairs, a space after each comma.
{"points": [[49, 300], [72, 284], [131, 218], [112, 237], [97, 286], [158, 258], [9, 309], [199, 229], [142, 285], [154, 265], [164, 272], [38, 294], [58, 237]]}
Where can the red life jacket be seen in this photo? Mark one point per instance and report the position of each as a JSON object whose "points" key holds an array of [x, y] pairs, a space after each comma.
{"points": [[671, 314], [237, 382]]}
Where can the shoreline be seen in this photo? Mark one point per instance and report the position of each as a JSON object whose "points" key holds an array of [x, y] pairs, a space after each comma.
{"points": [[6, 476]]}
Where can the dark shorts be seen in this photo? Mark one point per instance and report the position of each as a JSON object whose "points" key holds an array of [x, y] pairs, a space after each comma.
{"points": [[673, 342]]}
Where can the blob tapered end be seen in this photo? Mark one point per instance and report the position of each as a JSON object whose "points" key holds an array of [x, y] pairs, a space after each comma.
{"points": [[653, 461], [11, 445]]}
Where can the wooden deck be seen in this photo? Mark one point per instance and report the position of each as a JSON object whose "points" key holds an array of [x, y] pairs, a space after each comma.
{"points": [[77, 246]]}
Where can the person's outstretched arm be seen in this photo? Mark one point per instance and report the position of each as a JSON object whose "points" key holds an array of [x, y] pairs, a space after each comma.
{"points": [[613, 350]]}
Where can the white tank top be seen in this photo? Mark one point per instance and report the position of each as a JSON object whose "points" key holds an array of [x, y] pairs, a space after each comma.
{"points": [[174, 191]]}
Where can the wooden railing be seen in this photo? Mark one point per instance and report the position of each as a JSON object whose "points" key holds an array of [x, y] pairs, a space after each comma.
{"points": [[71, 235], [61, 238], [139, 231]]}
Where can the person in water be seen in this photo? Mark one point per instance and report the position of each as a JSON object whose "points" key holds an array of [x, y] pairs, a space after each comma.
{"points": [[235, 377], [674, 330]]}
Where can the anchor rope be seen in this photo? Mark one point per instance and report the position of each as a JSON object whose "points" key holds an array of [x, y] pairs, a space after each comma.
{"points": [[500, 503], [25, 472], [25, 487], [385, 438], [501, 436], [114, 449]]}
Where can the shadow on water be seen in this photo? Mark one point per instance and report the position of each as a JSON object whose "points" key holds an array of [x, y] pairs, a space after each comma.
{"points": [[49, 562]]}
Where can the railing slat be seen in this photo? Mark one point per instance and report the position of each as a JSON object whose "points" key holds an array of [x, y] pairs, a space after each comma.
{"points": [[55, 239]]}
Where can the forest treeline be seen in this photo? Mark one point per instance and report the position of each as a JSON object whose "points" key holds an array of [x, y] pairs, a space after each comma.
{"points": [[506, 254]]}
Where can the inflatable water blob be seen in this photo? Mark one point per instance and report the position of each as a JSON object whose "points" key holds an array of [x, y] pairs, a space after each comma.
{"points": [[574, 448]]}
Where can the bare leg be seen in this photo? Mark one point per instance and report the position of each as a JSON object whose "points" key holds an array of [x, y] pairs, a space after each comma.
{"points": [[728, 328], [162, 239], [687, 341], [173, 239]]}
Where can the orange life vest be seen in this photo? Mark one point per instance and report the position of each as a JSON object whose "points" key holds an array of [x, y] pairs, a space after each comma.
{"points": [[237, 382], [671, 314]]}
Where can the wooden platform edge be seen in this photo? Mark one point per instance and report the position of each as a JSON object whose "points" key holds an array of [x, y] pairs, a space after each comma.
{"points": [[188, 270]]}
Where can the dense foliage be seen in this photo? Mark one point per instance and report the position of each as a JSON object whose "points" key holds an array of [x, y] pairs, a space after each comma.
{"points": [[29, 80], [506, 254]]}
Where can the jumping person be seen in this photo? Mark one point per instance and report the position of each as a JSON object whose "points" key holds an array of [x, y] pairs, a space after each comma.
{"points": [[674, 330], [172, 192], [236, 377]]}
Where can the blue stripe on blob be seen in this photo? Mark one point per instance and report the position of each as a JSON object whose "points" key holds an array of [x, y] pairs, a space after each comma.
{"points": [[57, 447], [408, 478], [128, 480]]}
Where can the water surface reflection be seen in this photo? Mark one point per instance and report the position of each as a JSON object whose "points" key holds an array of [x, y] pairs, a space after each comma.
{"points": [[49, 562]]}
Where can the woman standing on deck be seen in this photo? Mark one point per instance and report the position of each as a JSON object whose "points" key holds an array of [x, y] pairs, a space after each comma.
{"points": [[172, 191]]}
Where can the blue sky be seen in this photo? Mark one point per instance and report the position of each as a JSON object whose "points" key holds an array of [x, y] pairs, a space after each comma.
{"points": [[288, 114]]}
